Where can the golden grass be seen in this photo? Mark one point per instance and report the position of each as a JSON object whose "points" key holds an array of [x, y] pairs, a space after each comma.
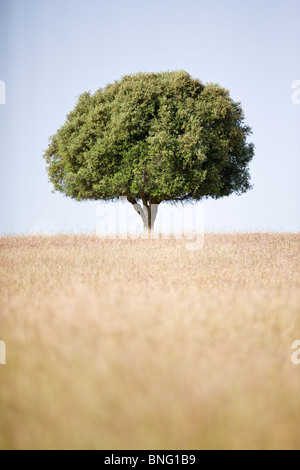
{"points": [[121, 344]]}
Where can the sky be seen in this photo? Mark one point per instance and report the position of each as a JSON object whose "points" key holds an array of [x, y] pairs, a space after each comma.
{"points": [[51, 51]]}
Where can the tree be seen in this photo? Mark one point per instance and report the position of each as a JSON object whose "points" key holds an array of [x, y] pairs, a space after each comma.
{"points": [[152, 137]]}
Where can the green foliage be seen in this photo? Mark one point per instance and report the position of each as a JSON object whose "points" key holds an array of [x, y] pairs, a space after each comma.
{"points": [[154, 137]]}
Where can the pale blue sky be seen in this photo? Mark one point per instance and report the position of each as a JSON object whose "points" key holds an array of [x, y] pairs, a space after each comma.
{"points": [[53, 50]]}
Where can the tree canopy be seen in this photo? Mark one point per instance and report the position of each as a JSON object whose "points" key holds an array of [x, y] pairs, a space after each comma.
{"points": [[152, 137]]}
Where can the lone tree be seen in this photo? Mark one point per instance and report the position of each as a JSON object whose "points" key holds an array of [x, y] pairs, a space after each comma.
{"points": [[152, 137]]}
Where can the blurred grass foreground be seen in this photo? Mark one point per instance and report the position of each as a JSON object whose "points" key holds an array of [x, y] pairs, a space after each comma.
{"points": [[123, 344]]}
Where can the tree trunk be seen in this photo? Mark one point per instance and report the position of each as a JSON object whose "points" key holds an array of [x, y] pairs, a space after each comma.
{"points": [[151, 213], [147, 213]]}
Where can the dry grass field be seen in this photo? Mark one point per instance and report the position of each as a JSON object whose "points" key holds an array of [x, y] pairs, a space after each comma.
{"points": [[121, 344]]}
